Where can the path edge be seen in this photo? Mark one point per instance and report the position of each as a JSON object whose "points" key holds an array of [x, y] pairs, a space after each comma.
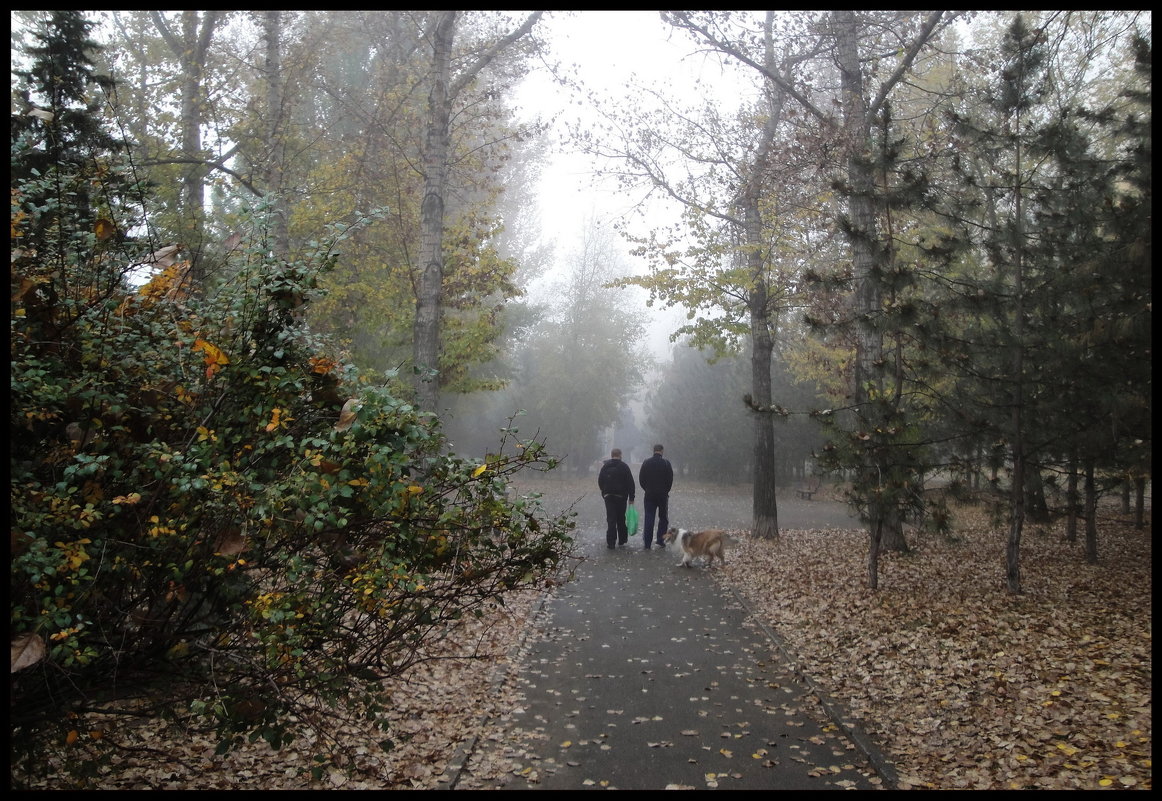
{"points": [[835, 711]]}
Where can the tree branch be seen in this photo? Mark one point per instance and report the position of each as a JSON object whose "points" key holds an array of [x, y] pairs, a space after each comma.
{"points": [[216, 165], [681, 19], [489, 55], [927, 30]]}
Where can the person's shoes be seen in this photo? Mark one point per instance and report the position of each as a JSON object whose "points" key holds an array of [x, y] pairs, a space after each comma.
{"points": [[661, 545], [610, 547], [646, 547], [622, 543]]}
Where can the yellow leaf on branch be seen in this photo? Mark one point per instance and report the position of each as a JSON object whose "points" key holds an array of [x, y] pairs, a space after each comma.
{"points": [[276, 419], [214, 357]]}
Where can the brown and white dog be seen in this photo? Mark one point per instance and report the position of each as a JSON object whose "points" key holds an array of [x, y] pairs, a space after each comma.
{"points": [[694, 544]]}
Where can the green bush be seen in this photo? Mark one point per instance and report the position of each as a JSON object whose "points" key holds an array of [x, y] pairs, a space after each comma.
{"points": [[203, 495]]}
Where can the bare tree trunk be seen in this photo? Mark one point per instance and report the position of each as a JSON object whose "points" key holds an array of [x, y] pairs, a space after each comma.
{"points": [[191, 51], [426, 333], [765, 504], [1016, 522], [1017, 491], [765, 501], [1071, 499], [275, 116], [441, 94], [873, 557], [1090, 513], [1036, 507], [1139, 502]]}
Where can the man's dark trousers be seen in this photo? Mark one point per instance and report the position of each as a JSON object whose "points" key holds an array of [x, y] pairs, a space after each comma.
{"points": [[615, 529], [661, 506]]}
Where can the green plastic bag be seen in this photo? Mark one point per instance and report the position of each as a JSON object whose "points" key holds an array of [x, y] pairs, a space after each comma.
{"points": [[631, 519]]}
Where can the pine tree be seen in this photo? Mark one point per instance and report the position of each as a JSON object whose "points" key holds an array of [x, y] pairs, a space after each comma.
{"points": [[880, 437], [1036, 376], [1118, 325], [59, 140], [73, 200]]}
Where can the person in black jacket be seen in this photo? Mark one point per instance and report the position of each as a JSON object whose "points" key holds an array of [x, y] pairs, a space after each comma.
{"points": [[656, 478], [617, 488]]}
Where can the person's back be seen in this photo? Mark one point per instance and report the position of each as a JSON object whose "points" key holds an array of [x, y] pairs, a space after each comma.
{"points": [[615, 480], [656, 478]]}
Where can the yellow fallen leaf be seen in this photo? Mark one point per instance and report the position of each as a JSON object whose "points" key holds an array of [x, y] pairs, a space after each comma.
{"points": [[479, 470]]}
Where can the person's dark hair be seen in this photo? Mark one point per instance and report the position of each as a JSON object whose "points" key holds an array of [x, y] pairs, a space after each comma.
{"points": [[657, 449], [615, 453]]}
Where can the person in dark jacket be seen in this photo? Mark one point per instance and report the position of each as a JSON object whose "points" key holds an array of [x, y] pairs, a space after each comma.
{"points": [[656, 478], [617, 488]]}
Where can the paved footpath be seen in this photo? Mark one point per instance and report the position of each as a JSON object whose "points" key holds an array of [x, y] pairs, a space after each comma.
{"points": [[647, 676]]}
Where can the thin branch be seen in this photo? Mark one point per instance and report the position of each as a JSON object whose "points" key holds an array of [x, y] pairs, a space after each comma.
{"points": [[489, 55], [216, 165]]}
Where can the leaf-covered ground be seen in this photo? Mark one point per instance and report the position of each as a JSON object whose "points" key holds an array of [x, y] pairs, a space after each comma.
{"points": [[962, 684], [438, 709]]}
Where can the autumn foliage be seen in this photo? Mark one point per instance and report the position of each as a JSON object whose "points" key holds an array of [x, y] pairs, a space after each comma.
{"points": [[208, 505]]}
